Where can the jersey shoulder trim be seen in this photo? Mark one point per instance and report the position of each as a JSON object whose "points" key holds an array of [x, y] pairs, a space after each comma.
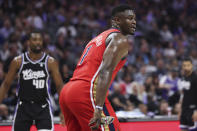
{"points": [[37, 61]]}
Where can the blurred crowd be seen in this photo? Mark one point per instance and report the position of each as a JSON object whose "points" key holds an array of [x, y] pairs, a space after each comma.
{"points": [[148, 83]]}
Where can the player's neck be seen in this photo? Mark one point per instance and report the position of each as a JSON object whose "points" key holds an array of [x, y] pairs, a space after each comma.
{"points": [[118, 28], [34, 56], [188, 73], [115, 27]]}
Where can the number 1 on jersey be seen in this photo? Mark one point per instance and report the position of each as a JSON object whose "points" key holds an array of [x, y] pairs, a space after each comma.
{"points": [[85, 54]]}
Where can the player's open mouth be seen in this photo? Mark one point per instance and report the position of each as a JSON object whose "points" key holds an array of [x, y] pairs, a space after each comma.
{"points": [[133, 28]]}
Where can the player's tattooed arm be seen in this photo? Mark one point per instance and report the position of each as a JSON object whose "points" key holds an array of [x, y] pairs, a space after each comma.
{"points": [[115, 51]]}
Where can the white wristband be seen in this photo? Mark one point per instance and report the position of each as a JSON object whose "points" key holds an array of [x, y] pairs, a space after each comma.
{"points": [[99, 107]]}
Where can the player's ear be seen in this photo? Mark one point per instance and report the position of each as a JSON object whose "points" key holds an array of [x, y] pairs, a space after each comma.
{"points": [[116, 21]]}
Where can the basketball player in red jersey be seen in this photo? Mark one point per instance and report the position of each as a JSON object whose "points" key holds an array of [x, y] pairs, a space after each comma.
{"points": [[83, 99]]}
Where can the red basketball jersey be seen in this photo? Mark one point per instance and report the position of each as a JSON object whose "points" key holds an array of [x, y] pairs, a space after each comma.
{"points": [[90, 62]]}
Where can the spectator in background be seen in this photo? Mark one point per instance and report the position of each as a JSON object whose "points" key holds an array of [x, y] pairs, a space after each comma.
{"points": [[65, 72], [13, 53], [160, 68], [140, 77], [4, 113], [170, 52], [35, 20], [126, 83], [119, 101], [60, 44], [137, 94], [169, 84], [143, 108], [144, 51], [7, 29], [163, 108], [68, 30], [166, 34]]}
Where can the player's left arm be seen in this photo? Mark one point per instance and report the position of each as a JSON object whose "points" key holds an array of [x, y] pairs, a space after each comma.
{"points": [[54, 71], [194, 116], [115, 51]]}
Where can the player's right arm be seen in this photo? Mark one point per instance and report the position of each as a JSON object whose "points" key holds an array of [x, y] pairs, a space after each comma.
{"points": [[14, 67], [116, 50]]}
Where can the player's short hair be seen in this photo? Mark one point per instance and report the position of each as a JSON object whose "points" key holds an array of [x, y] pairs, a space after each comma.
{"points": [[120, 8], [187, 59], [35, 31]]}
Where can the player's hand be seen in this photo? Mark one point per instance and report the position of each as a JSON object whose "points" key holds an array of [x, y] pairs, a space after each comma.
{"points": [[96, 120], [62, 121], [179, 116], [194, 116]]}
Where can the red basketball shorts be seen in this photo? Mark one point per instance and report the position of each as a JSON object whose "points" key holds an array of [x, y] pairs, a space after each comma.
{"points": [[77, 104]]}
